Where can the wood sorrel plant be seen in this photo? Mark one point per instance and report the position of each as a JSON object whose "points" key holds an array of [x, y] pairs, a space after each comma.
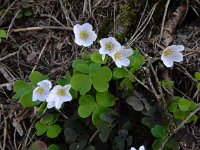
{"points": [[99, 86]]}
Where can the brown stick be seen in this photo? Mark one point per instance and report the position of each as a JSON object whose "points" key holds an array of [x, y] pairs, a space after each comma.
{"points": [[41, 28], [172, 22]]}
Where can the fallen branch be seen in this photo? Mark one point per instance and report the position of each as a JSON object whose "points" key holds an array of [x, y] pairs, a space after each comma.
{"points": [[41, 28], [9, 55]]}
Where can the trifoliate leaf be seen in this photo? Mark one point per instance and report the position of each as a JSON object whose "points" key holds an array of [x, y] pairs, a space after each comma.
{"points": [[21, 87], [3, 33], [78, 62], [41, 128], [105, 130], [197, 75], [81, 83], [83, 68], [27, 13], [180, 115], [148, 121], [119, 73], [198, 86], [184, 104], [49, 119], [53, 147], [87, 105], [90, 148], [157, 143], [105, 99], [136, 61], [193, 105], [25, 5], [158, 131], [173, 106], [135, 102], [94, 67], [26, 100], [53, 131], [101, 78], [97, 58], [96, 116], [70, 135]]}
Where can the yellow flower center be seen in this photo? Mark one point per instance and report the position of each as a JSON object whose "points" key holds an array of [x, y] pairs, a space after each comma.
{"points": [[109, 46], [40, 90], [167, 52], [117, 55], [84, 35], [61, 92]]}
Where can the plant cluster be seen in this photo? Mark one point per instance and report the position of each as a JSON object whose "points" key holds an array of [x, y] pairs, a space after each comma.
{"points": [[99, 86]]}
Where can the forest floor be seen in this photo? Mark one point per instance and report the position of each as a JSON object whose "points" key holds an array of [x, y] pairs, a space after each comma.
{"points": [[40, 37]]}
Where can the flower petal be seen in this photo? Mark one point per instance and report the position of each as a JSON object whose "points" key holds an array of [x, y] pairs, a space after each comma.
{"points": [[127, 52], [124, 61], [104, 51], [168, 62], [77, 28], [141, 148], [55, 88], [177, 56], [132, 148], [87, 26], [50, 98], [45, 83], [50, 104], [118, 64], [67, 87], [58, 104], [67, 98], [176, 47], [78, 41]]}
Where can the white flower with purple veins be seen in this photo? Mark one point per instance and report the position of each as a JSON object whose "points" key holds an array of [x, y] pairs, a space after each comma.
{"points": [[58, 95], [84, 34], [108, 46], [172, 54], [140, 148], [41, 92], [120, 56]]}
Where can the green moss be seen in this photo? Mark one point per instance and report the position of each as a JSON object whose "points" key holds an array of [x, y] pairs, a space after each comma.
{"points": [[124, 21], [105, 29]]}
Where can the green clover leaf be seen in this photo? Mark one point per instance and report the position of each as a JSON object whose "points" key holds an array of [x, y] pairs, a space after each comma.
{"points": [[87, 106]]}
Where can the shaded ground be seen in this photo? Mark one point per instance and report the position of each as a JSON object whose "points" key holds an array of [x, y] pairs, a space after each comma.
{"points": [[51, 51]]}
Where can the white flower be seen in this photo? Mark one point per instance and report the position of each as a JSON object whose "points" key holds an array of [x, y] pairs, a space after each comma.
{"points": [[84, 35], [172, 54], [58, 95], [109, 45], [140, 148], [41, 92], [120, 56]]}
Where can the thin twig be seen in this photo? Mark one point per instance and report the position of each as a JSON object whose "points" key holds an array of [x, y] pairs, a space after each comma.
{"points": [[41, 28], [140, 82], [69, 22], [143, 26], [93, 136], [9, 55], [6, 12], [42, 51], [163, 21], [10, 26]]}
